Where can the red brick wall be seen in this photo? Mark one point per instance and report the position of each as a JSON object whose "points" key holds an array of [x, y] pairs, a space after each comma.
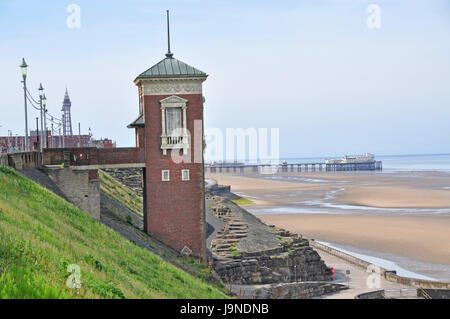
{"points": [[52, 157], [175, 209], [121, 155], [140, 137], [94, 156]]}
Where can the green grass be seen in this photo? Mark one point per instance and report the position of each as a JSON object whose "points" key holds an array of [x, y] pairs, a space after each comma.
{"points": [[242, 201], [233, 250], [41, 235], [123, 194]]}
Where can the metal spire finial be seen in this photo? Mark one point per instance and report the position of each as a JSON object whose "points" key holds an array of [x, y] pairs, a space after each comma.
{"points": [[168, 54]]}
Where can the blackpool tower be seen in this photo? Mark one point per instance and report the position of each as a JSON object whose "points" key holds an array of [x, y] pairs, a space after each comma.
{"points": [[66, 119]]}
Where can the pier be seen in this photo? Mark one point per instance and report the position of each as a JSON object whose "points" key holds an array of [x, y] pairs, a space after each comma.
{"points": [[293, 167]]}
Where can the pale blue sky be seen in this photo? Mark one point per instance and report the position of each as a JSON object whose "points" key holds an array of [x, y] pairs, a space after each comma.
{"points": [[312, 68]]}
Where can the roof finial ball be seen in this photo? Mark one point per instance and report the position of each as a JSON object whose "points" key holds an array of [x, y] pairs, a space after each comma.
{"points": [[168, 54]]}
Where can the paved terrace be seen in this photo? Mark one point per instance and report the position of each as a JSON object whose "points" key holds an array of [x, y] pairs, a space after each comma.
{"points": [[357, 281]]}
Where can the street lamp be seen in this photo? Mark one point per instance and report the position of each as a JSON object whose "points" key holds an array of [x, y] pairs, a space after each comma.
{"points": [[41, 95], [24, 67], [41, 90], [9, 141], [44, 104], [90, 137], [51, 136], [37, 131]]}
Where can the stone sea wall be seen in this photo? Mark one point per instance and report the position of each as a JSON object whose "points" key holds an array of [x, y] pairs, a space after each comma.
{"points": [[387, 274], [290, 259], [297, 290], [130, 177], [378, 294]]}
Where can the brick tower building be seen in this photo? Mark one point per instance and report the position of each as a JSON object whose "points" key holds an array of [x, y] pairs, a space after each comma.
{"points": [[170, 128]]}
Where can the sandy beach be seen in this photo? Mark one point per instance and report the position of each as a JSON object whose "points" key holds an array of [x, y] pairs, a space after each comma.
{"points": [[406, 214], [420, 238]]}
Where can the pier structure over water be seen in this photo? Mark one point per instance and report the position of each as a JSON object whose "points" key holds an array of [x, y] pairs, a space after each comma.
{"points": [[293, 167]]}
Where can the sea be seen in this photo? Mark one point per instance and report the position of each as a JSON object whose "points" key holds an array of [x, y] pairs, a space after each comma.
{"points": [[414, 162]]}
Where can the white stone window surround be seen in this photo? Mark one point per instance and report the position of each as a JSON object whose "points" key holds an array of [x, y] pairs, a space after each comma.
{"points": [[165, 175], [185, 175], [169, 141]]}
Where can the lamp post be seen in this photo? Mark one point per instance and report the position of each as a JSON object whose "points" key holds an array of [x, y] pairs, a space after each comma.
{"points": [[24, 67], [90, 137], [41, 94], [51, 136], [9, 141], [37, 130], [79, 135], [44, 105], [64, 135]]}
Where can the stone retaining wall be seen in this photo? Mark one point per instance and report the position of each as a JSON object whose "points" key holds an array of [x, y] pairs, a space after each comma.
{"points": [[434, 293], [300, 265], [20, 161], [297, 290], [288, 259], [81, 188], [418, 283], [3, 160], [353, 260], [378, 294], [130, 177], [218, 190], [387, 274]]}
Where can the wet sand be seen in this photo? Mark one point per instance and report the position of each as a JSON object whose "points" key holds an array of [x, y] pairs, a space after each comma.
{"points": [[403, 213], [421, 238], [396, 197], [384, 190]]}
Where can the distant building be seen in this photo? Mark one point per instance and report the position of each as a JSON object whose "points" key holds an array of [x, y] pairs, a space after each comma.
{"points": [[13, 144], [225, 164], [103, 143], [364, 158], [66, 118]]}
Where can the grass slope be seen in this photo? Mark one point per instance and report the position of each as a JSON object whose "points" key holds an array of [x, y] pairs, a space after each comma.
{"points": [[41, 235], [242, 201], [123, 194]]}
